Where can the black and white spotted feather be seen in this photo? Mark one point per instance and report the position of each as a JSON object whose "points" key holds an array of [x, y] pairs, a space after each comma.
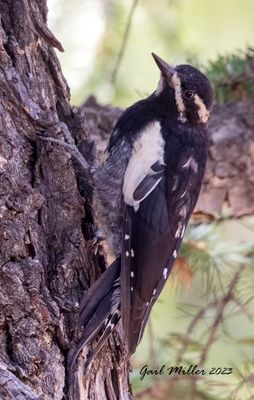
{"points": [[145, 191], [157, 210]]}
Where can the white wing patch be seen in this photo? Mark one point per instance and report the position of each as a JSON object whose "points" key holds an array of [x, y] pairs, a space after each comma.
{"points": [[148, 149]]}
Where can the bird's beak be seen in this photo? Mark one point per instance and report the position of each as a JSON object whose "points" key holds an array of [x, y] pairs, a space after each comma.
{"points": [[164, 67]]}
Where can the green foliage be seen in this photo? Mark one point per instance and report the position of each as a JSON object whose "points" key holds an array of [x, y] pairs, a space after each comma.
{"points": [[231, 76]]}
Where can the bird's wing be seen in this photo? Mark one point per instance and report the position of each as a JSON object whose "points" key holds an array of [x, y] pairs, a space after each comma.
{"points": [[146, 165], [146, 261], [153, 230]]}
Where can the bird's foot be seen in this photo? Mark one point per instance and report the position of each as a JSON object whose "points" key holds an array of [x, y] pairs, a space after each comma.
{"points": [[98, 237], [97, 240], [69, 145]]}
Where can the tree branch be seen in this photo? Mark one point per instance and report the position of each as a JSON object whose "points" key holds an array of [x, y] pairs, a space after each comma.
{"points": [[124, 42]]}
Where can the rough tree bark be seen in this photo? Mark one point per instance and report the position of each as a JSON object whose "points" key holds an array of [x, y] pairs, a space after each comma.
{"points": [[47, 259]]}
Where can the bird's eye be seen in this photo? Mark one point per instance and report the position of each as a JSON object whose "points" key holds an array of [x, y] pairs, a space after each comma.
{"points": [[188, 94]]}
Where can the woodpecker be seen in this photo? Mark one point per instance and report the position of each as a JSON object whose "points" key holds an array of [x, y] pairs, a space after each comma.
{"points": [[145, 192]]}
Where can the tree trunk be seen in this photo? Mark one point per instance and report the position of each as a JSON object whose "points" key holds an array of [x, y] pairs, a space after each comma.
{"points": [[47, 225], [47, 257]]}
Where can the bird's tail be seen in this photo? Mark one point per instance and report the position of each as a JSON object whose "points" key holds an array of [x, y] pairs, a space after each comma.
{"points": [[99, 312]]}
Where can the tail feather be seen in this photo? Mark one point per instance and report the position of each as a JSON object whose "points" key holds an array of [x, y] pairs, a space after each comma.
{"points": [[99, 310], [109, 327], [97, 292]]}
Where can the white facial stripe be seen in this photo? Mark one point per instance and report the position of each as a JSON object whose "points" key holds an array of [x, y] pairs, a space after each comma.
{"points": [[178, 96], [203, 113]]}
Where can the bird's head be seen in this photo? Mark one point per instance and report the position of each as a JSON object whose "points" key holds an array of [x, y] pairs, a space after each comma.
{"points": [[187, 89]]}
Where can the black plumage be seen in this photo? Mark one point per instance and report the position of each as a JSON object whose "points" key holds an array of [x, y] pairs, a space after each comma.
{"points": [[145, 191]]}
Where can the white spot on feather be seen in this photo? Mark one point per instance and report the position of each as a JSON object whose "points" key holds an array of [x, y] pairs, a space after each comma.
{"points": [[132, 253], [179, 230], [183, 230], [187, 163], [183, 212], [174, 253], [183, 194], [127, 254], [126, 237], [132, 289], [175, 184], [165, 271], [194, 165], [132, 274], [191, 163], [147, 150], [154, 291]]}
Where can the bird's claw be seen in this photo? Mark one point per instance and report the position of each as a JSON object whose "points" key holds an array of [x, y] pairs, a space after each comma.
{"points": [[68, 145]]}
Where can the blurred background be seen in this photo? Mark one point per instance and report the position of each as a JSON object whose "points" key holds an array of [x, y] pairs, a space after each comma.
{"points": [[91, 32], [197, 319]]}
